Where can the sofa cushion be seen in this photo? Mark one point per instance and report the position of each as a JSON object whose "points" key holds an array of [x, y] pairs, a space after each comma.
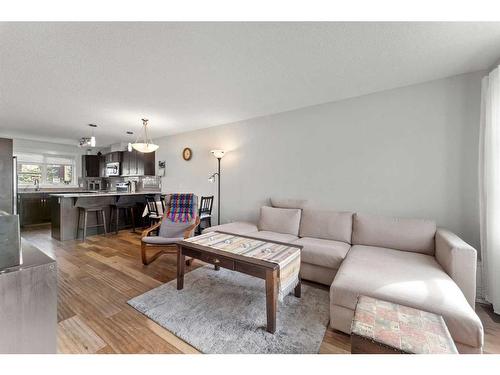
{"points": [[329, 225], [325, 253], [403, 234], [274, 236], [410, 279], [288, 203], [280, 220], [238, 227]]}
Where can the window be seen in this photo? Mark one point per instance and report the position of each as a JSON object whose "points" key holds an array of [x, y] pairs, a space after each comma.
{"points": [[46, 169]]}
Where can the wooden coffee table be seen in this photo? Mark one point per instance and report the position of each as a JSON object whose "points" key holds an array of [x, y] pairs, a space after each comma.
{"points": [[262, 269]]}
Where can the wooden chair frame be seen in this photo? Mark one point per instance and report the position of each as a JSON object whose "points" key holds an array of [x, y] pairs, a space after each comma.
{"points": [[164, 249]]}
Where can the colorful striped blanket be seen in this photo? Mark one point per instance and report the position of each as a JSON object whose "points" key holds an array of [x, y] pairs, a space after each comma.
{"points": [[181, 208], [287, 257]]}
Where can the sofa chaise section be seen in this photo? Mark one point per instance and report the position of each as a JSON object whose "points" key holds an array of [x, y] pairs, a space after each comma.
{"points": [[397, 260]]}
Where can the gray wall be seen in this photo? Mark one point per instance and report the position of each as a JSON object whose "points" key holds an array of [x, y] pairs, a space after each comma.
{"points": [[409, 152]]}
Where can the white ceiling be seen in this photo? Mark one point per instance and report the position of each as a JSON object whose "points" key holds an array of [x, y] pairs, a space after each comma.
{"points": [[55, 78]]}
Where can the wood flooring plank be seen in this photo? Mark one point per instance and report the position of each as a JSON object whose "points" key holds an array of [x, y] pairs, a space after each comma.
{"points": [[120, 264], [74, 336], [168, 336]]}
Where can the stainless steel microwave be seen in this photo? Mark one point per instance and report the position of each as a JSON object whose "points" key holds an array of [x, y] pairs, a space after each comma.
{"points": [[112, 169]]}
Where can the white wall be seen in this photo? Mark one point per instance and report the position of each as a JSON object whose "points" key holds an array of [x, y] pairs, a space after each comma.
{"points": [[408, 152], [25, 145]]}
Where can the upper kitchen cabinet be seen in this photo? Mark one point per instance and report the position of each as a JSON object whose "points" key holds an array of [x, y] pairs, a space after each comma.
{"points": [[102, 166], [149, 164], [114, 157], [90, 166], [128, 163], [135, 163]]}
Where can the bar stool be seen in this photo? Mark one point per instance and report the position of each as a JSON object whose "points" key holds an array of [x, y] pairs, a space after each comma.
{"points": [[129, 208], [99, 210]]}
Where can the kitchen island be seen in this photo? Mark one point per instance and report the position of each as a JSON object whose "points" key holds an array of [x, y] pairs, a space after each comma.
{"points": [[64, 210]]}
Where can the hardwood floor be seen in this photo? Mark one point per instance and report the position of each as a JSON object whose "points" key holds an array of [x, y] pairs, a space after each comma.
{"points": [[96, 278]]}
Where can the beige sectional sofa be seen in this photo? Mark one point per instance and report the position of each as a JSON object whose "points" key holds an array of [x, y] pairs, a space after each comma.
{"points": [[406, 261]]}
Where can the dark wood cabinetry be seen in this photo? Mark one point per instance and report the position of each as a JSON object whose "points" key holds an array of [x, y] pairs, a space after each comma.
{"points": [[135, 163], [34, 208], [132, 163], [114, 157], [102, 166], [90, 166], [149, 164]]}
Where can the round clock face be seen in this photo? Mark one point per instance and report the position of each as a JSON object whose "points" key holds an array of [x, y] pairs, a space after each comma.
{"points": [[187, 153]]}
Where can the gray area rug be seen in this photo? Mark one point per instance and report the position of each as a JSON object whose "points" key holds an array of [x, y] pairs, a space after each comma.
{"points": [[225, 312]]}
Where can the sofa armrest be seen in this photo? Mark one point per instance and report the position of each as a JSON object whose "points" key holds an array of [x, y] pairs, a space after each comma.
{"points": [[238, 227], [459, 260]]}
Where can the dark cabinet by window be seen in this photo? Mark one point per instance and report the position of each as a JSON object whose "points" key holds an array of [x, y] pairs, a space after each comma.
{"points": [[34, 208], [90, 166]]}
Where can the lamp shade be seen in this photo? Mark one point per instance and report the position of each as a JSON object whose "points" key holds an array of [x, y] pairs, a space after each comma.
{"points": [[218, 153], [145, 147], [145, 144]]}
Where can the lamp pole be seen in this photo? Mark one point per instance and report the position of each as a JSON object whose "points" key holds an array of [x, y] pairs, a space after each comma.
{"points": [[217, 154], [218, 192]]}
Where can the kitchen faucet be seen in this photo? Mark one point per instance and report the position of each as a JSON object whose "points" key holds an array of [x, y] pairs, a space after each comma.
{"points": [[36, 182]]}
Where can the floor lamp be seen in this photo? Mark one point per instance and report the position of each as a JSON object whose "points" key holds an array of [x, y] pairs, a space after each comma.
{"points": [[219, 154]]}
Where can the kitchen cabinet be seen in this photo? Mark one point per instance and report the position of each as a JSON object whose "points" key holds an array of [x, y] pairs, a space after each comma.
{"points": [[114, 157], [90, 166], [34, 208], [135, 163], [126, 162], [149, 164], [102, 166]]}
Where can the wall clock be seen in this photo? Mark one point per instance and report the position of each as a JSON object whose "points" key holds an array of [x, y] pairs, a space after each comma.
{"points": [[187, 153]]}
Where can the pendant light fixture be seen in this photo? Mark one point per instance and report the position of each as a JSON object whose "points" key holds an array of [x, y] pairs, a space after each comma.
{"points": [[92, 138], [145, 144], [129, 145]]}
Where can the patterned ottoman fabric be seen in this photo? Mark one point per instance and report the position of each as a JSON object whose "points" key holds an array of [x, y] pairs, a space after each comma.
{"points": [[402, 328]]}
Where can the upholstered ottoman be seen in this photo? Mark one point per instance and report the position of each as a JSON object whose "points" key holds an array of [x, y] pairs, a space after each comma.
{"points": [[381, 327]]}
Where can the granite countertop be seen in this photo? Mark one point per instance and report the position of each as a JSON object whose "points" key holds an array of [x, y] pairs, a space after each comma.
{"points": [[101, 194], [53, 191]]}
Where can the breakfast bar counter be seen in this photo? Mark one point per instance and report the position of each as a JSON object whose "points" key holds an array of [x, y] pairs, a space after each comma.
{"points": [[65, 210]]}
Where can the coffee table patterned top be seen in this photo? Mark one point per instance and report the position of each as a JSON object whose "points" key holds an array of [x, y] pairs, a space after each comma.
{"points": [[287, 256], [400, 327]]}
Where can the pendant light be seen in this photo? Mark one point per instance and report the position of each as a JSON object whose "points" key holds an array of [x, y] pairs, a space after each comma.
{"points": [[129, 145], [92, 138], [145, 144]]}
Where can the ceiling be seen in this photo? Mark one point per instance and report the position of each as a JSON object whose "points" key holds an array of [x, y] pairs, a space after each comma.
{"points": [[55, 78]]}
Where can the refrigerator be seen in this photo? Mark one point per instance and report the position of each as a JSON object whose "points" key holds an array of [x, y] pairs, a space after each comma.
{"points": [[8, 177]]}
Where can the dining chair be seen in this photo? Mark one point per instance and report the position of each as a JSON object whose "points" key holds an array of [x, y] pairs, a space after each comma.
{"points": [[153, 215], [205, 213]]}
